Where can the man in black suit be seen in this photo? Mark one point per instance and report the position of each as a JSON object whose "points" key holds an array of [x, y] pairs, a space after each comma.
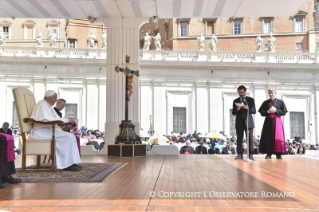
{"points": [[241, 120], [60, 104], [5, 129], [201, 149]]}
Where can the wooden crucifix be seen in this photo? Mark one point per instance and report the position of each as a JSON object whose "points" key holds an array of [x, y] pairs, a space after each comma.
{"points": [[128, 82]]}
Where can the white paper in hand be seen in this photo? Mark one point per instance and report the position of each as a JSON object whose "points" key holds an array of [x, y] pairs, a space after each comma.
{"points": [[239, 104]]}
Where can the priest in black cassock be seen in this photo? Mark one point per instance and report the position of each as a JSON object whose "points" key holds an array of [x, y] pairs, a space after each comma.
{"points": [[272, 137], [244, 120], [60, 104]]}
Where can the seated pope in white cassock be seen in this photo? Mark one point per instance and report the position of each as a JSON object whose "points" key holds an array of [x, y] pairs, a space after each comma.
{"points": [[67, 154]]}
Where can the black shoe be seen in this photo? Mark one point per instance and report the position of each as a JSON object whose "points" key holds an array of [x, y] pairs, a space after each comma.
{"points": [[9, 179], [278, 157], [268, 157], [251, 157], [239, 157], [72, 169], [76, 165], [2, 185]]}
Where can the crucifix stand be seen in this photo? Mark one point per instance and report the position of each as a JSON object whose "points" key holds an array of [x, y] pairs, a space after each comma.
{"points": [[127, 133]]}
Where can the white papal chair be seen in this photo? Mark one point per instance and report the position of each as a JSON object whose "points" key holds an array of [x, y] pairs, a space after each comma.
{"points": [[25, 102]]}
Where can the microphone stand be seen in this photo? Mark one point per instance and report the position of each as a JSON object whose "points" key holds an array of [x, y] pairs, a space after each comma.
{"points": [[248, 146]]}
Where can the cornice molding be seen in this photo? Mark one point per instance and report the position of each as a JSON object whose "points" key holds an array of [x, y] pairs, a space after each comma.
{"points": [[201, 84], [215, 84], [148, 83], [259, 85], [77, 89], [200, 67], [173, 67], [66, 64], [264, 35], [169, 92]]}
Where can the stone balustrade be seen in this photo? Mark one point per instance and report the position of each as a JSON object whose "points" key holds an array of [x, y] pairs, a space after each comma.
{"points": [[164, 55], [247, 57], [51, 52]]}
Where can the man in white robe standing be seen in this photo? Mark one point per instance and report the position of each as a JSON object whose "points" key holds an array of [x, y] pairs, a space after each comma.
{"points": [[67, 154]]}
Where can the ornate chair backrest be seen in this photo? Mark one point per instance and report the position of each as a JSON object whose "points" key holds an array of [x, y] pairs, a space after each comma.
{"points": [[25, 102]]}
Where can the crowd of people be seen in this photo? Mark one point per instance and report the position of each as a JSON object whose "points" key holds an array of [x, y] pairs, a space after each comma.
{"points": [[198, 143], [88, 136], [91, 137], [227, 145]]}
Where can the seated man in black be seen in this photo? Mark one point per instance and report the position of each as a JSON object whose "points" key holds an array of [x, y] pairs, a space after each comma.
{"points": [[213, 150], [5, 129], [201, 149], [186, 150], [228, 149], [6, 168]]}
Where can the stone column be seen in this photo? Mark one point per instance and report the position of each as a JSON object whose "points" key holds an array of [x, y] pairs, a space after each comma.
{"points": [[45, 84], [86, 104], [152, 93], [260, 95], [102, 111], [168, 113], [310, 123], [316, 110], [38, 89], [122, 39], [201, 107], [3, 91], [98, 104], [216, 115], [80, 108], [208, 107], [159, 108], [312, 41], [146, 105]]}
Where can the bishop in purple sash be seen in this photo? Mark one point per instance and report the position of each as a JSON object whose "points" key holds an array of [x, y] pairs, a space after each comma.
{"points": [[272, 137]]}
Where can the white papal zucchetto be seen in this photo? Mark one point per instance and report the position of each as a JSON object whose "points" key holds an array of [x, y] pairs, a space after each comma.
{"points": [[49, 93]]}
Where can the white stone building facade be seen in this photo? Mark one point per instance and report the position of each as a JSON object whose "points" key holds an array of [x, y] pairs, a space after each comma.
{"points": [[78, 76], [205, 84], [201, 85]]}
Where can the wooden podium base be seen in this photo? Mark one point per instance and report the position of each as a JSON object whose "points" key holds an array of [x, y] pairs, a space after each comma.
{"points": [[126, 150]]}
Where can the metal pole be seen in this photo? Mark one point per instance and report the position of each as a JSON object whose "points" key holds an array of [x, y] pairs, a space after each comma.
{"points": [[248, 147]]}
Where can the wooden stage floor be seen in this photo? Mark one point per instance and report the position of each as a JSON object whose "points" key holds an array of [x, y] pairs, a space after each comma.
{"points": [[129, 188]]}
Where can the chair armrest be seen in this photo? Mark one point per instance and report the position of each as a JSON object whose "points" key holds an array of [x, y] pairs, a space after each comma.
{"points": [[25, 120], [68, 125]]}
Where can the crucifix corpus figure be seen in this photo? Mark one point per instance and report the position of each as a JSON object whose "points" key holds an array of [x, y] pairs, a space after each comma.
{"points": [[129, 77]]}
